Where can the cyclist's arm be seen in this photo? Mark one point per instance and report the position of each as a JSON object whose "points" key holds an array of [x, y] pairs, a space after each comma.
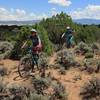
{"points": [[63, 35], [24, 44]]}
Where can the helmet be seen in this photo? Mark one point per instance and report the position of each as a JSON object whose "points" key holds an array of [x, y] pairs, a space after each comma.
{"points": [[67, 27], [33, 30]]}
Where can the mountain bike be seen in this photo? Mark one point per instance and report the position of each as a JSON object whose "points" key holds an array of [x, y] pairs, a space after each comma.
{"points": [[27, 62]]}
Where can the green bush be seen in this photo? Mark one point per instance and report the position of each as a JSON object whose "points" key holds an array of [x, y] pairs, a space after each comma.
{"points": [[56, 25], [47, 45], [21, 37]]}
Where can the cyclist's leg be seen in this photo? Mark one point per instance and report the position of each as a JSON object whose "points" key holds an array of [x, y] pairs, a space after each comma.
{"points": [[33, 62], [36, 58], [68, 41], [72, 41]]}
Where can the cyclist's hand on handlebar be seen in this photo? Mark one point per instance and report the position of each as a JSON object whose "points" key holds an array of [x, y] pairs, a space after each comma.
{"points": [[62, 35], [22, 47]]}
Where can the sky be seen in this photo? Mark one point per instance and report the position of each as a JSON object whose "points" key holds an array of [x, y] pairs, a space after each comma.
{"points": [[38, 9]]}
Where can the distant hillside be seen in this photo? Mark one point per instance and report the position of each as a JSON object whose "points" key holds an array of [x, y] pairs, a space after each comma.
{"points": [[79, 21], [19, 22], [87, 21]]}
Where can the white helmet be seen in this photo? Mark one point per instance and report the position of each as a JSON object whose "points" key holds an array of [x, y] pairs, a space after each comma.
{"points": [[33, 30], [67, 27]]}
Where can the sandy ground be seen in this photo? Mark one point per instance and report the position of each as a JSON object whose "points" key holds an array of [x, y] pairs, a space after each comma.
{"points": [[72, 86]]}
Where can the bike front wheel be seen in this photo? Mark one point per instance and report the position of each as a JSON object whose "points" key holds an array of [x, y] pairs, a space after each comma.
{"points": [[24, 67]]}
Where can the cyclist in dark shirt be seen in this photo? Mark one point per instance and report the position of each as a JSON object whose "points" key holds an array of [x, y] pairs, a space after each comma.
{"points": [[36, 46]]}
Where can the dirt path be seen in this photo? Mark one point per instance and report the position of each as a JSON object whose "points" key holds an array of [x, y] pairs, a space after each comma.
{"points": [[69, 80], [13, 76], [52, 59]]}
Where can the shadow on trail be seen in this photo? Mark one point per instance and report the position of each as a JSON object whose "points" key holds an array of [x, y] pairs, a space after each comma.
{"points": [[18, 78]]}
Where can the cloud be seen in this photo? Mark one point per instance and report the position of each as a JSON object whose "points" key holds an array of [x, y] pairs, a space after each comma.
{"points": [[90, 11], [53, 11], [64, 3], [19, 14]]}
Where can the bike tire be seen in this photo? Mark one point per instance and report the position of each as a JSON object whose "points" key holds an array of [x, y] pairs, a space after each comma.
{"points": [[21, 68]]}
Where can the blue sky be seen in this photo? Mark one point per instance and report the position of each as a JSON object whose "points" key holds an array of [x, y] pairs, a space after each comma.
{"points": [[37, 9]]}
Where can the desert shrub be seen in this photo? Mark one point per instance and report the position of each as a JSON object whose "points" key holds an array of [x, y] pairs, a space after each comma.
{"points": [[91, 90], [89, 55], [77, 77], [83, 48], [59, 92], [3, 70], [2, 89], [34, 96], [56, 47], [2, 86], [17, 92], [95, 46], [43, 63], [40, 84], [43, 60], [91, 65], [60, 46], [66, 59], [62, 71], [98, 67], [88, 65], [5, 49]]}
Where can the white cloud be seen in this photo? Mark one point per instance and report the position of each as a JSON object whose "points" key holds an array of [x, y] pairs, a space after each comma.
{"points": [[53, 11], [60, 2], [19, 14], [91, 11]]}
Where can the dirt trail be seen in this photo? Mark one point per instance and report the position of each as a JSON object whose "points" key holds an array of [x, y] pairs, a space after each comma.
{"points": [[72, 85], [52, 59], [69, 80], [13, 76]]}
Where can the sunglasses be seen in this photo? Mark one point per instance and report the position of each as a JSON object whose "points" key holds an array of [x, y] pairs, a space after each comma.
{"points": [[33, 32]]}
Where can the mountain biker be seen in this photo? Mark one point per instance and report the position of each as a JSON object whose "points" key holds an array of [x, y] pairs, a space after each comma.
{"points": [[36, 46], [68, 37]]}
